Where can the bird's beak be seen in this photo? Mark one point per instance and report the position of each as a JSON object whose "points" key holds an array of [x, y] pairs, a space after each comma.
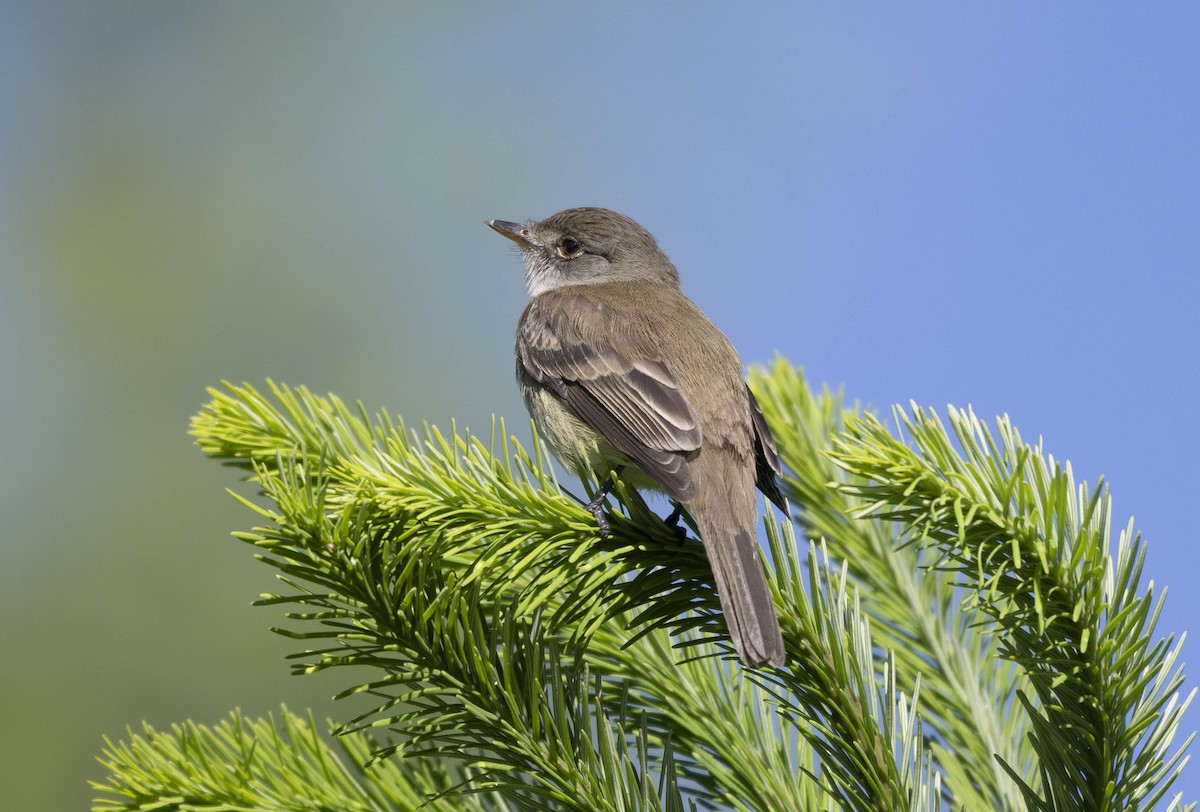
{"points": [[517, 232]]}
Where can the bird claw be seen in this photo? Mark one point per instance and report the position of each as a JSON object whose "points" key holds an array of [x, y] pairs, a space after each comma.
{"points": [[672, 521], [596, 506]]}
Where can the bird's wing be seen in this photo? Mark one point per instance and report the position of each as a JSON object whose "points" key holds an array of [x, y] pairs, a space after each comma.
{"points": [[766, 456], [627, 395]]}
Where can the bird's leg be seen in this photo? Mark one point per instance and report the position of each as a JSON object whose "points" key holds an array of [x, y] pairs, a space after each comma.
{"points": [[596, 506], [672, 522]]}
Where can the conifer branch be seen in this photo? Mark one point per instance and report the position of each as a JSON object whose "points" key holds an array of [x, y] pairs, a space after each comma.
{"points": [[402, 533], [272, 765], [1032, 550], [915, 611], [520, 660]]}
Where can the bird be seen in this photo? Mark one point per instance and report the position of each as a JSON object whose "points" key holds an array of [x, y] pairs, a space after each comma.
{"points": [[622, 373]]}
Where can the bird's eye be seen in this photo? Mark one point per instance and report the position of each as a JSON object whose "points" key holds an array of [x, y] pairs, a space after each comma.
{"points": [[568, 248]]}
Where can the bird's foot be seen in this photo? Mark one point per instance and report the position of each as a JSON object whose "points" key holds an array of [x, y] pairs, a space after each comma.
{"points": [[672, 522], [596, 506]]}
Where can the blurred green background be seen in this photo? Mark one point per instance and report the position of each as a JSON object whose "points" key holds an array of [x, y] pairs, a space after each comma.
{"points": [[994, 206]]}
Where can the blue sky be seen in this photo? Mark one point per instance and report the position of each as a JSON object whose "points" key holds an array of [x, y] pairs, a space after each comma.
{"points": [[945, 203]]}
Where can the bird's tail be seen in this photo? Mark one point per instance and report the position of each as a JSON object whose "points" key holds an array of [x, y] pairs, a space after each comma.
{"points": [[733, 552]]}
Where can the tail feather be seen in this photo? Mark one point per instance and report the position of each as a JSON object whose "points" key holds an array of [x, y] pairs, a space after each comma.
{"points": [[733, 552]]}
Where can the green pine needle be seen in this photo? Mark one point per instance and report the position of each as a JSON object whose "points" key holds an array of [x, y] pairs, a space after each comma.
{"points": [[959, 635], [1031, 549]]}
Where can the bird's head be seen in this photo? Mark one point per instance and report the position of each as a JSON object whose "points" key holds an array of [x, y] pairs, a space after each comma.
{"points": [[587, 246]]}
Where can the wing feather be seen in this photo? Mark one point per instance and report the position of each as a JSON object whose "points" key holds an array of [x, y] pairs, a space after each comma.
{"points": [[766, 456], [627, 395]]}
